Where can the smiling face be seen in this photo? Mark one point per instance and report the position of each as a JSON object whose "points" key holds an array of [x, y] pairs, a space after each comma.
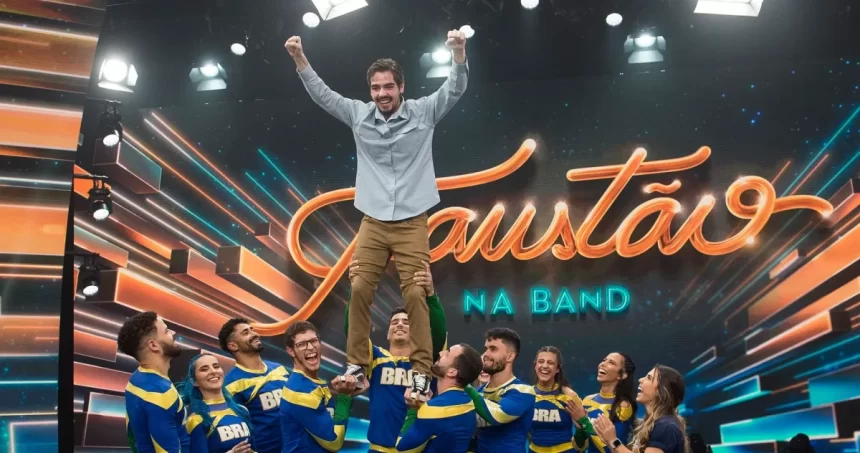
{"points": [[246, 340], [208, 374], [306, 351], [496, 356], [546, 368], [398, 329], [385, 92], [611, 368], [648, 387]]}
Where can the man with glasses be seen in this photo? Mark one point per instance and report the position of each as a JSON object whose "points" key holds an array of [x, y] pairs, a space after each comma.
{"points": [[254, 383], [314, 415]]}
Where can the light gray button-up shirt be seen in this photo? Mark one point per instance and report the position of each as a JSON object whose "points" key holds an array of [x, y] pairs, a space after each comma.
{"points": [[395, 178]]}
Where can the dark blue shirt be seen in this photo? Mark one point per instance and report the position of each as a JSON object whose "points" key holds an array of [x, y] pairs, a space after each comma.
{"points": [[667, 435]]}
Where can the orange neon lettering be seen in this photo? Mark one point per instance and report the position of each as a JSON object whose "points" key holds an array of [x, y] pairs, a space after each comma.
{"points": [[571, 242]]}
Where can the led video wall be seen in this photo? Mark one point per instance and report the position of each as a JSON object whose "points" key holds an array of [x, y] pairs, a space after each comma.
{"points": [[706, 221], [47, 52]]}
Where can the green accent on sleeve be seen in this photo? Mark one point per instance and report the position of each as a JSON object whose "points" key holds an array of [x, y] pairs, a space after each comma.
{"points": [[346, 315], [480, 406], [131, 442], [411, 416], [438, 324], [585, 430], [342, 408]]}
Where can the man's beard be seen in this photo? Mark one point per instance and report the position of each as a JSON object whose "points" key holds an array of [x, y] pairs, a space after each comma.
{"points": [[494, 368], [439, 371], [251, 349], [171, 350]]}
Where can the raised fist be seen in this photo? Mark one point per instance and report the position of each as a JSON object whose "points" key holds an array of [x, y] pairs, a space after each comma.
{"points": [[294, 46], [456, 40]]}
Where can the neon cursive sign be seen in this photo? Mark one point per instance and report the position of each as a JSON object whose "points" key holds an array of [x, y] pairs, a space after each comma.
{"points": [[572, 241]]}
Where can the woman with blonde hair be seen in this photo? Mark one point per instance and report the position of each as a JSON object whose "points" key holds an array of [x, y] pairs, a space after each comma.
{"points": [[662, 430]]}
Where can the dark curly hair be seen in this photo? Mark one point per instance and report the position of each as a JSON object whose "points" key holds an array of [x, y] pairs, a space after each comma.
{"points": [[297, 328], [386, 65], [227, 331], [508, 336], [134, 330]]}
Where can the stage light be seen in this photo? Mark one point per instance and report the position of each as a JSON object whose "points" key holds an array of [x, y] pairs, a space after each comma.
{"points": [[101, 205], [614, 19], [311, 20], [329, 9], [109, 132], [751, 240], [237, 49], [644, 40], [647, 46], [211, 76], [442, 56], [468, 31], [88, 277], [749, 8], [117, 75], [529, 4], [209, 70]]}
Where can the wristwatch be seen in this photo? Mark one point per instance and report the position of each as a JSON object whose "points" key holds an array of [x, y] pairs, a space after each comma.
{"points": [[616, 443]]}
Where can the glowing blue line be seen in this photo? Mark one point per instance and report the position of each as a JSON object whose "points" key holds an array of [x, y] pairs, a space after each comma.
{"points": [[211, 227], [765, 271], [824, 148], [733, 401], [27, 382], [300, 194], [829, 367], [260, 186], [838, 173], [272, 197], [788, 405], [812, 354], [199, 165]]}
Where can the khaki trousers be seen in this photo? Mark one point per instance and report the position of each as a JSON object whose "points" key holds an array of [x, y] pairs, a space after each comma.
{"points": [[377, 241]]}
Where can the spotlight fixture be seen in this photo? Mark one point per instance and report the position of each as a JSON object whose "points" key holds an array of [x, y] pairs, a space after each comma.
{"points": [[614, 20], [237, 49], [311, 20], [329, 9], [646, 46], [529, 4], [117, 75], [101, 205], [88, 274], [437, 64], [749, 8], [109, 132], [468, 31], [442, 56], [208, 77]]}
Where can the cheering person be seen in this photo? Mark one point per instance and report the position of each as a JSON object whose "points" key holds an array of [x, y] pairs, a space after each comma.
{"points": [[616, 401], [552, 424], [217, 423], [395, 185], [662, 430]]}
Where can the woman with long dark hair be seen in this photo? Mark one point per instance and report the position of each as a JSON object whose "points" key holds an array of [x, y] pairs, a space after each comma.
{"points": [[216, 423], [551, 423], [663, 429], [616, 401]]}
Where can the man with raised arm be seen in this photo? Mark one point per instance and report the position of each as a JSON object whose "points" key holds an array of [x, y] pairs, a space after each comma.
{"points": [[395, 186]]}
